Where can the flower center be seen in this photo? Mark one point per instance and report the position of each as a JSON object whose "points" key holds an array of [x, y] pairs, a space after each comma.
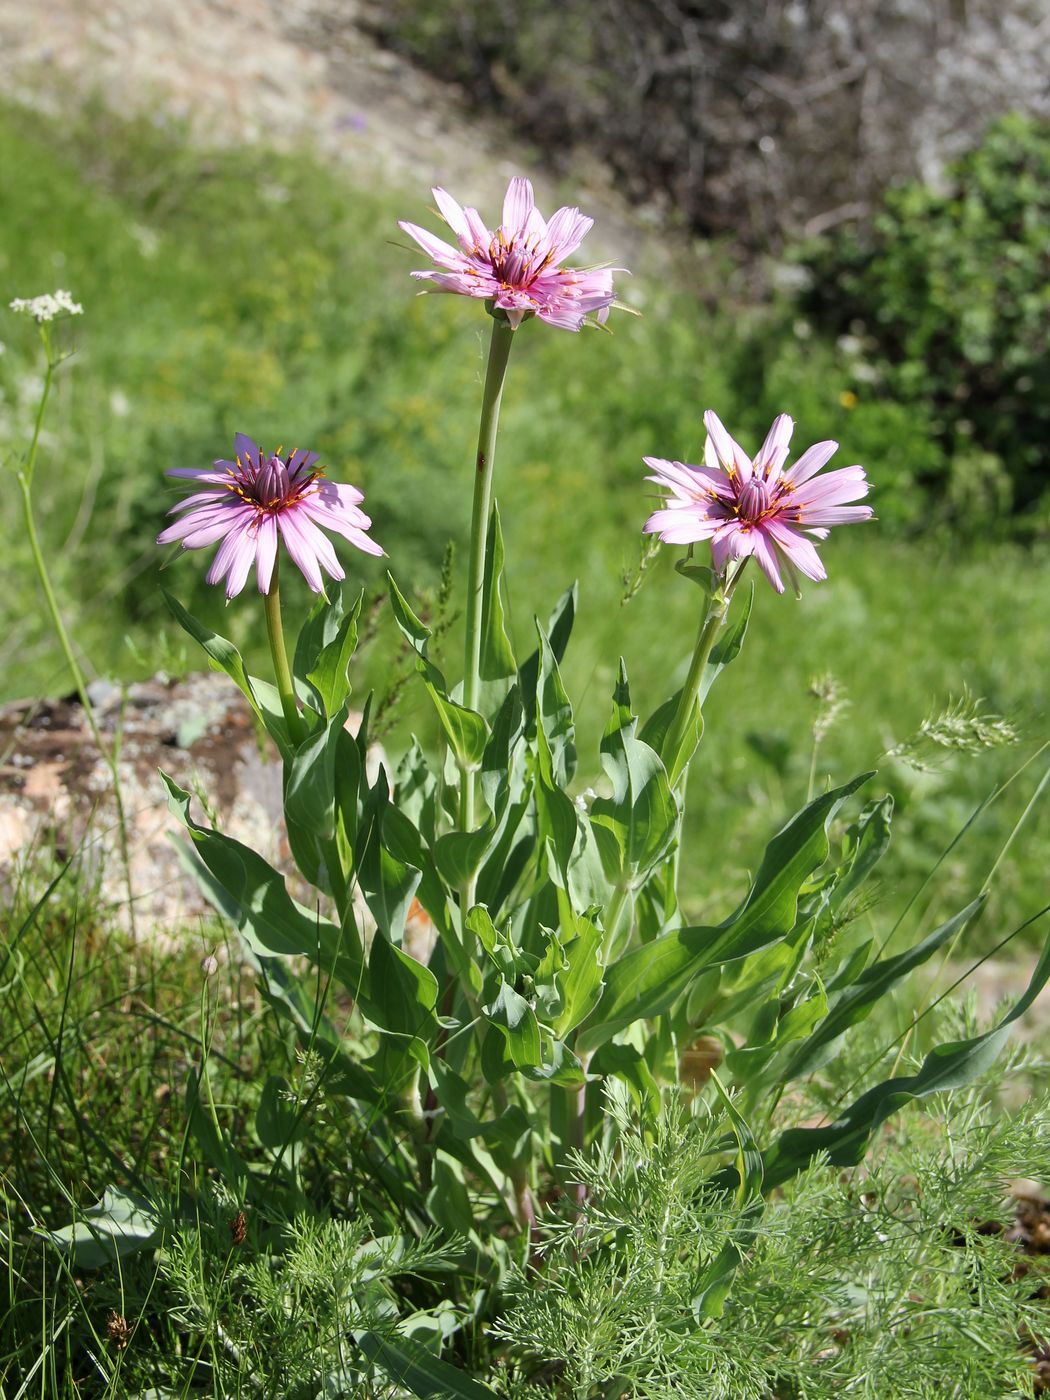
{"points": [[271, 482], [513, 262], [753, 499], [269, 486]]}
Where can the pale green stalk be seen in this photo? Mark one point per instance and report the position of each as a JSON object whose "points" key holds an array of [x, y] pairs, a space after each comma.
{"points": [[499, 353], [296, 727], [25, 482], [281, 669], [710, 626]]}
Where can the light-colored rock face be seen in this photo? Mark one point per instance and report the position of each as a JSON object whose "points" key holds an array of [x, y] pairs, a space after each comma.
{"points": [[56, 790], [291, 74]]}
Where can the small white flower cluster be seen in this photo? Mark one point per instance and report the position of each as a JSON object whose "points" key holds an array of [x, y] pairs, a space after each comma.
{"points": [[47, 307]]}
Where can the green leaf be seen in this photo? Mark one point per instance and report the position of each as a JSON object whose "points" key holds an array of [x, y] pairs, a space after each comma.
{"points": [[277, 1123], [497, 656], [416, 633], [388, 881], [466, 730], [641, 815], [329, 677], [579, 983], [118, 1225], [403, 992], [254, 897], [725, 650], [410, 1365], [222, 653], [448, 1200], [856, 1001], [950, 1066], [310, 780], [717, 1278], [458, 854], [554, 719], [701, 574], [512, 1015], [727, 647], [558, 631], [648, 980]]}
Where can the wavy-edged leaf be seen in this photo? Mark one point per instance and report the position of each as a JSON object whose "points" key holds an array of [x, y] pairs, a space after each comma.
{"points": [[255, 899], [641, 816], [221, 652]]}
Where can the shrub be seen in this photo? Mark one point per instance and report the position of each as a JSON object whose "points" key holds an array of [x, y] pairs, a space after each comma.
{"points": [[951, 291]]}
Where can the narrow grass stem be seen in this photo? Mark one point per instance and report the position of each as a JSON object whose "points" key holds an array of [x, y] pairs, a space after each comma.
{"points": [[109, 756], [499, 353], [282, 671]]}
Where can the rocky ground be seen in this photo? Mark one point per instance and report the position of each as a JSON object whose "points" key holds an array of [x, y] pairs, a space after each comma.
{"points": [[289, 73]]}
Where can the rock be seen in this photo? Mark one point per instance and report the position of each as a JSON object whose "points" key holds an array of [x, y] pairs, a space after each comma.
{"points": [[56, 790]]}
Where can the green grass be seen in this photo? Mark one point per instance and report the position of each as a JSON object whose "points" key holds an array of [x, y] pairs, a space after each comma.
{"points": [[248, 291]]}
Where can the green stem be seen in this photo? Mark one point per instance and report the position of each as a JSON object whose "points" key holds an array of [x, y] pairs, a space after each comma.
{"points": [[710, 626], [25, 480], [499, 354], [282, 671]]}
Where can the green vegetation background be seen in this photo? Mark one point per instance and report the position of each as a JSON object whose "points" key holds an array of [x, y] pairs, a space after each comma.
{"points": [[245, 291]]}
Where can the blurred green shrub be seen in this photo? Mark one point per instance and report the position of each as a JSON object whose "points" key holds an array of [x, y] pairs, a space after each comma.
{"points": [[949, 296]]}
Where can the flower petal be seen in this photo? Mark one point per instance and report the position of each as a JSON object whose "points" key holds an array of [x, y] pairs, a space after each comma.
{"points": [[811, 461], [832, 515], [441, 252], [773, 452], [730, 454], [247, 450], [688, 482], [832, 489], [517, 204], [767, 559], [265, 552], [566, 230], [682, 526], [453, 215], [230, 559], [797, 548], [731, 541]]}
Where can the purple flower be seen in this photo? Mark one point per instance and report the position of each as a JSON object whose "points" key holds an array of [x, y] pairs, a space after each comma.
{"points": [[252, 504], [755, 507], [517, 266]]}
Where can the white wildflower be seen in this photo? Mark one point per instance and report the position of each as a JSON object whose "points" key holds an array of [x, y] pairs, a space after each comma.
{"points": [[48, 306]]}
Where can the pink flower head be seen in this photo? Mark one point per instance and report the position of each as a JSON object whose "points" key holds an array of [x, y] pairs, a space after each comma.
{"points": [[517, 267], [253, 503], [755, 507]]}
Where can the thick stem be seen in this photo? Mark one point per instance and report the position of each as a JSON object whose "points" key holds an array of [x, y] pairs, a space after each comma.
{"points": [[499, 353], [282, 671]]}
